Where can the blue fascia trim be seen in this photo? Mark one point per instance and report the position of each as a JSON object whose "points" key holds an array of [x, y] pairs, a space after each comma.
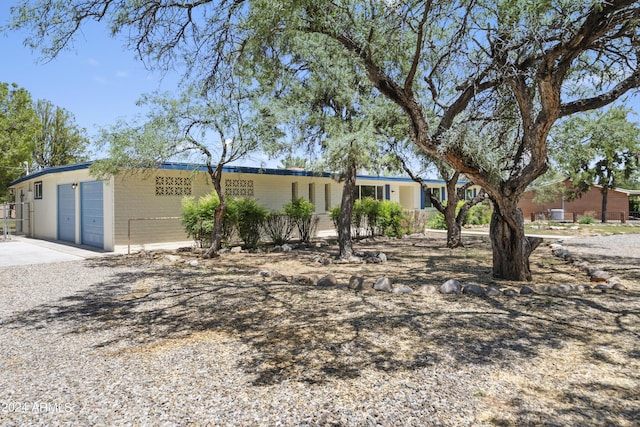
{"points": [[228, 169], [245, 169], [54, 169]]}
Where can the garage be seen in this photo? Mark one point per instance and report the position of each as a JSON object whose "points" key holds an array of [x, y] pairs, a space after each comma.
{"points": [[66, 213], [92, 214]]}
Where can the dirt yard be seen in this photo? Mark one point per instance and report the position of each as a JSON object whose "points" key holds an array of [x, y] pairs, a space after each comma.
{"points": [[569, 359], [166, 337]]}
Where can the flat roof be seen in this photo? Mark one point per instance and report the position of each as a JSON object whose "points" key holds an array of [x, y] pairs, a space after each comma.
{"points": [[228, 169]]}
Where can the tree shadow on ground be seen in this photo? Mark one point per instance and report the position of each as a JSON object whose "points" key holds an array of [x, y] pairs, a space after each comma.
{"points": [[310, 334]]}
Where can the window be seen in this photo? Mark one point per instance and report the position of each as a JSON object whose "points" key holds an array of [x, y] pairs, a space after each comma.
{"points": [[327, 197], [294, 190], [426, 198], [238, 187], [172, 186], [469, 194], [436, 192], [37, 190], [375, 192]]}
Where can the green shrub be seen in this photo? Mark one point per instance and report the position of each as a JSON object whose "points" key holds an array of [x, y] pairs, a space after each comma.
{"points": [[301, 213], [358, 218], [437, 222], [586, 219], [391, 219], [334, 214], [198, 217], [249, 219], [479, 214], [229, 223], [371, 211], [278, 227]]}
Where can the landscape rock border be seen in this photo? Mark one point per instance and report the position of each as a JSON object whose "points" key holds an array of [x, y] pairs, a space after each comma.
{"points": [[604, 280], [600, 279]]}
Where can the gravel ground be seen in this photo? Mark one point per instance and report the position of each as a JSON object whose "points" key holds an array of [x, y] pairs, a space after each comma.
{"points": [[614, 246], [147, 341]]}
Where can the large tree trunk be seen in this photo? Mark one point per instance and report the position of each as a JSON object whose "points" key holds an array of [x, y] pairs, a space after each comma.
{"points": [[217, 233], [346, 209], [454, 228], [605, 193], [511, 248], [218, 223]]}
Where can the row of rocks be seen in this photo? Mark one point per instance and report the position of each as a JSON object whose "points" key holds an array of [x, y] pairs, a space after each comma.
{"points": [[449, 287], [359, 257], [286, 247], [597, 275], [356, 283], [453, 286]]}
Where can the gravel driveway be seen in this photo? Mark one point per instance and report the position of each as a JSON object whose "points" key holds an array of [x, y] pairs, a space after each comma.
{"points": [[146, 341], [614, 246]]}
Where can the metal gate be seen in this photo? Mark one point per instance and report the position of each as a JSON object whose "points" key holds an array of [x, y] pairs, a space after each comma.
{"points": [[14, 219]]}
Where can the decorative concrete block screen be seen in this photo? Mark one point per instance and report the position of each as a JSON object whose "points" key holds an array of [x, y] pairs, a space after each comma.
{"points": [[238, 187], [172, 186]]}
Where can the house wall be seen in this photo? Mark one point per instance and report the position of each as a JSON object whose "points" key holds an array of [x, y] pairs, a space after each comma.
{"points": [[590, 202], [145, 207], [42, 218], [136, 198]]}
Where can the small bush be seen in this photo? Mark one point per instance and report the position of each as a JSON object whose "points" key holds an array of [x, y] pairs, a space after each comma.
{"points": [[437, 222], [229, 223], [198, 218], [249, 218], [390, 218], [301, 213], [278, 227], [479, 214], [358, 218], [586, 220], [370, 211], [334, 214]]}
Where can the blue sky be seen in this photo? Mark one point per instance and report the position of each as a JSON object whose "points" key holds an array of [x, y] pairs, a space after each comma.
{"points": [[98, 80]]}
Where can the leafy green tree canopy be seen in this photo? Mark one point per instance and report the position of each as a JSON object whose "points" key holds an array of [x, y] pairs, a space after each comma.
{"points": [[18, 127], [601, 148], [59, 140]]}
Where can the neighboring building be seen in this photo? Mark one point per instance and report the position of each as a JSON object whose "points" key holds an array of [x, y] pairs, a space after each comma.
{"points": [[66, 203], [589, 204]]}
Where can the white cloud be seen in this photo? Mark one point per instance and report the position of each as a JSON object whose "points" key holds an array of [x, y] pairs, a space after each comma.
{"points": [[122, 74], [100, 79], [93, 62]]}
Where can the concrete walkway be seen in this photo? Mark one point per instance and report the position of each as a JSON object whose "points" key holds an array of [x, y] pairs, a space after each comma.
{"points": [[19, 250]]}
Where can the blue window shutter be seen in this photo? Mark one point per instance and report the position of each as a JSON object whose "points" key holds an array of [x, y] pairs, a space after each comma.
{"points": [[387, 192], [444, 194], [422, 198]]}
